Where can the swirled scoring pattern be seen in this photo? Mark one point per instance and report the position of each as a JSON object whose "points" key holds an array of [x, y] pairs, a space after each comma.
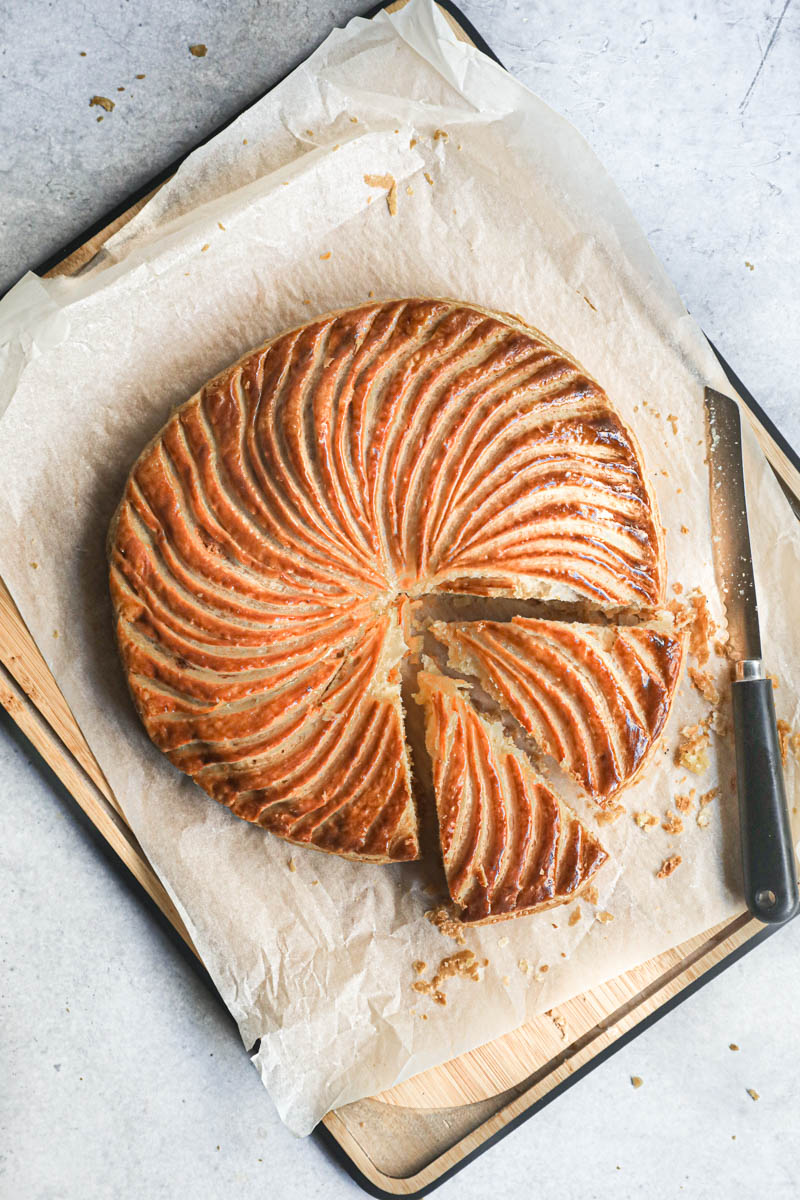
{"points": [[595, 698], [267, 533], [509, 844]]}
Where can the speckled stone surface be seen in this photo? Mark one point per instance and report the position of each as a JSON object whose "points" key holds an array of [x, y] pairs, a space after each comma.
{"points": [[122, 1076]]}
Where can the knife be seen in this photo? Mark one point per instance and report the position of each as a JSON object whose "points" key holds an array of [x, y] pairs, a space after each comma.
{"points": [[768, 860]]}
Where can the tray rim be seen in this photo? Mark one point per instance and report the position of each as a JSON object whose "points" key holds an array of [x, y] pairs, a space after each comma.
{"points": [[323, 1132]]}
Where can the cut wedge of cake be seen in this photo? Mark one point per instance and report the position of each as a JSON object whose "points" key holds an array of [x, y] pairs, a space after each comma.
{"points": [[509, 845], [596, 698]]}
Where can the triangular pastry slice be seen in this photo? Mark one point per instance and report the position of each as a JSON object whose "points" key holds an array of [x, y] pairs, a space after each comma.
{"points": [[596, 698], [509, 845]]}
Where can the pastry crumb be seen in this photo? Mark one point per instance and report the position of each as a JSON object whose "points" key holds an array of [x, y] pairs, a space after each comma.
{"points": [[326, 255], [463, 963], [677, 588], [574, 916], [672, 822], [446, 923], [753, 1094], [419, 966], [721, 722], [703, 816], [590, 894], [783, 739], [101, 102], [645, 820], [292, 865], [425, 988], [610, 814], [684, 803], [198, 50], [673, 420], [733, 1046], [605, 918], [388, 182], [35, 566], [692, 753], [204, 248], [701, 629], [669, 866], [441, 135], [379, 181], [705, 685], [427, 178], [637, 1081], [412, 143], [559, 1022], [221, 226], [684, 528]]}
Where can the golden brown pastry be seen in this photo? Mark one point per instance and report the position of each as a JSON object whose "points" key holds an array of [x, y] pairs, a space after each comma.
{"points": [[268, 533], [510, 846], [594, 697]]}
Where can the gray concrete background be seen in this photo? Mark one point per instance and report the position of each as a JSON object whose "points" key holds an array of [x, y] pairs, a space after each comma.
{"points": [[121, 1075]]}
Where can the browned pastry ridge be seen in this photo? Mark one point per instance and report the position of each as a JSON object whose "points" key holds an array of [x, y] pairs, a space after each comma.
{"points": [[510, 846], [594, 697], [269, 532]]}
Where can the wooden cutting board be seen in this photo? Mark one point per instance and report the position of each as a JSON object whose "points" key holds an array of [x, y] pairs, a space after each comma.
{"points": [[406, 1139]]}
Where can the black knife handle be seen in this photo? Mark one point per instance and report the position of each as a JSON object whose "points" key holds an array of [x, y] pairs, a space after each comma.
{"points": [[768, 860]]}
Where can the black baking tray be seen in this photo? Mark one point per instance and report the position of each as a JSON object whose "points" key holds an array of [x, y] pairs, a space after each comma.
{"points": [[321, 1133]]}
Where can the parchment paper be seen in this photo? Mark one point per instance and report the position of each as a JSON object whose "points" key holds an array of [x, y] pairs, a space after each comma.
{"points": [[517, 215]]}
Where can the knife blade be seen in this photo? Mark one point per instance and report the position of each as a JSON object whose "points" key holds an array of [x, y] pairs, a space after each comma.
{"points": [[769, 867], [729, 526]]}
